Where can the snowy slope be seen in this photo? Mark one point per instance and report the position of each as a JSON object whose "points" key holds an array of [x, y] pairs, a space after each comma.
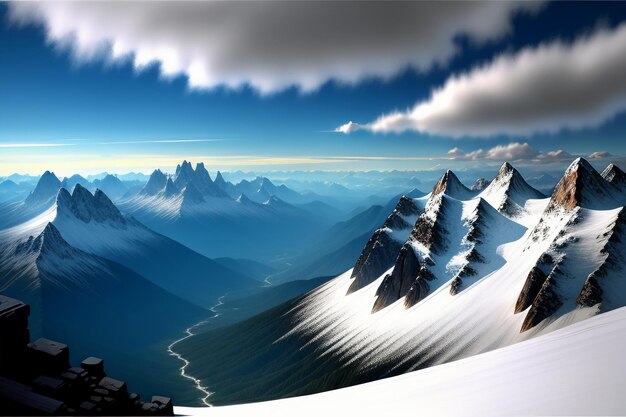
{"points": [[464, 282], [578, 370], [92, 223]]}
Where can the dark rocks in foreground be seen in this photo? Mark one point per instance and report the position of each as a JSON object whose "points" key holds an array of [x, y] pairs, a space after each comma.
{"points": [[37, 378]]}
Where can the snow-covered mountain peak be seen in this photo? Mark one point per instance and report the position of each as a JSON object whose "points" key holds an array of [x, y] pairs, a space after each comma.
{"points": [[613, 174], [46, 189], [155, 184], [87, 207], [450, 184], [583, 186], [509, 192]]}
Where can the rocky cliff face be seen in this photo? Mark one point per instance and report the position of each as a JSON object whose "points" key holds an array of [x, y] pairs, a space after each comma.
{"points": [[382, 249]]}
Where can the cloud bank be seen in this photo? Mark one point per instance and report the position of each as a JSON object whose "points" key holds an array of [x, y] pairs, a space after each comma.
{"points": [[519, 152], [270, 46], [542, 89]]}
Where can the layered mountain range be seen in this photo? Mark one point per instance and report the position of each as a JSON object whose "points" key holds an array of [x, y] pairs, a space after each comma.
{"points": [[449, 275], [190, 206]]}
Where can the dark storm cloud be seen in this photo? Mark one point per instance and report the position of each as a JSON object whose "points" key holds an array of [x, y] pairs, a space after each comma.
{"points": [[271, 45]]}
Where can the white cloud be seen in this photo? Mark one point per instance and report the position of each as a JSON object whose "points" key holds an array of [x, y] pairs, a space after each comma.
{"points": [[543, 89], [270, 45], [511, 152], [599, 155], [348, 127]]}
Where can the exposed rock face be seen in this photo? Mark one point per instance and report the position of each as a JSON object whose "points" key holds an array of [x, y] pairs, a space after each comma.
{"points": [[420, 288], [155, 184], [87, 207], [532, 286], [429, 229], [457, 283], [377, 257], [480, 184], [592, 292], [545, 304], [184, 175], [46, 189], [582, 186], [405, 208], [449, 184], [397, 284]]}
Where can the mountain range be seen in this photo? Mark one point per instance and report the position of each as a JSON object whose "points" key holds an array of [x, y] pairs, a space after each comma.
{"points": [[452, 274]]}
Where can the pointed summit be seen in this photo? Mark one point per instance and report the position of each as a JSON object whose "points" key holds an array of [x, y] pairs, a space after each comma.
{"points": [[613, 174], [84, 206], [50, 240], [509, 191], [450, 185], [46, 189], [184, 175], [583, 186], [220, 181], [170, 189], [155, 183], [202, 173]]}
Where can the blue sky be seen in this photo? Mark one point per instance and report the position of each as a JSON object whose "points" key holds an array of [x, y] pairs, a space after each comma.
{"points": [[93, 114]]}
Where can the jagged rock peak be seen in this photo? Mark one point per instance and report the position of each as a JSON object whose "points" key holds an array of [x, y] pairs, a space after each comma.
{"points": [[378, 255], [480, 184], [170, 189], [49, 239], [155, 183], [613, 174], [397, 284], [219, 180], [582, 186], [46, 188], [405, 208], [450, 184], [201, 172], [86, 207]]}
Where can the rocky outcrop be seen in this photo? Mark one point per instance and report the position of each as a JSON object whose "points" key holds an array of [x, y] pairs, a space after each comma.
{"points": [[592, 293], [534, 281], [480, 184], [397, 284], [378, 256], [545, 304], [405, 208], [457, 283], [420, 288], [429, 229]]}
